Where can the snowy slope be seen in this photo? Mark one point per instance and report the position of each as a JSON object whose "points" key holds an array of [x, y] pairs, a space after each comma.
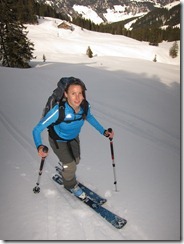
{"points": [[138, 98], [88, 13], [76, 42]]}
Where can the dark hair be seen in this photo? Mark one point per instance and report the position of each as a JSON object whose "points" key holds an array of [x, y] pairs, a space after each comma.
{"points": [[76, 81]]}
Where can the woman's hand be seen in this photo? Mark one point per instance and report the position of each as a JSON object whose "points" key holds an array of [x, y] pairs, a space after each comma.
{"points": [[109, 133], [43, 151]]}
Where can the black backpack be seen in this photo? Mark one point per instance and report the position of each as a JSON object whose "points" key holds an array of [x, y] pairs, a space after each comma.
{"points": [[57, 97]]}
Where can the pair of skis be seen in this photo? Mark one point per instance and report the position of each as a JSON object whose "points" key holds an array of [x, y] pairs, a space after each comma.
{"points": [[95, 202]]}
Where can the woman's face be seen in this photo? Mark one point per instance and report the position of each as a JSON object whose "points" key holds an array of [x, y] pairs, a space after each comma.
{"points": [[74, 96]]}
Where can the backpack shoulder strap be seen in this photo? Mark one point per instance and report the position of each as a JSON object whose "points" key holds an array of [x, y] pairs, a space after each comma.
{"points": [[61, 112], [61, 117]]}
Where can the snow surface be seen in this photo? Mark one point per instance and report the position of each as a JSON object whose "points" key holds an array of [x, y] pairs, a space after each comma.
{"points": [[88, 13], [119, 13], [138, 98]]}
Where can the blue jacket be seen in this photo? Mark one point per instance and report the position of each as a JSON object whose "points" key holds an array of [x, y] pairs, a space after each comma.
{"points": [[67, 131]]}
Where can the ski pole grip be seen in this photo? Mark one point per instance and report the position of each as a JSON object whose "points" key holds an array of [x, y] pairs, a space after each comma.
{"points": [[110, 130], [45, 150]]}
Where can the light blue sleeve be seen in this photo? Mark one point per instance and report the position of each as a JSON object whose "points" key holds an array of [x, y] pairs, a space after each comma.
{"points": [[49, 118], [91, 119]]}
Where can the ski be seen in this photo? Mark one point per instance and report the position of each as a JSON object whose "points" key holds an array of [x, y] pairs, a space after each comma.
{"points": [[93, 195], [109, 216]]}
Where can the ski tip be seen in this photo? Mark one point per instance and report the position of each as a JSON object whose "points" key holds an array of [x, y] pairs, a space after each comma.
{"points": [[119, 223], [122, 223]]}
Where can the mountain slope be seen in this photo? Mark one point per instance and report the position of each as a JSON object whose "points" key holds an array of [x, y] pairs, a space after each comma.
{"points": [[138, 98], [108, 11]]}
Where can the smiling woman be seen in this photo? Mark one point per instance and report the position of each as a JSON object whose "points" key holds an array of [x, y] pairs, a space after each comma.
{"points": [[75, 95], [64, 137]]}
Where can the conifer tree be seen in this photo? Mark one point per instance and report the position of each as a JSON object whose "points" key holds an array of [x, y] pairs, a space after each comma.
{"points": [[89, 52], [44, 58], [173, 51], [25, 11], [155, 58], [15, 48]]}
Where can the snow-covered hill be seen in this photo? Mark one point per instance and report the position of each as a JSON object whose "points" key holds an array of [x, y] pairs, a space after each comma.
{"points": [[67, 42], [138, 98]]}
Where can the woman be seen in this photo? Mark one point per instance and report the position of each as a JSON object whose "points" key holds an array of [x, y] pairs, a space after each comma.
{"points": [[67, 145]]}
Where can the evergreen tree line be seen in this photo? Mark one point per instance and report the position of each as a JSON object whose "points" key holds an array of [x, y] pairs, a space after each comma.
{"points": [[150, 34], [27, 11], [147, 28], [16, 50]]}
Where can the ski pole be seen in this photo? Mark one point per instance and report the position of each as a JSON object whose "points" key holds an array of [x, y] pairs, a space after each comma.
{"points": [[36, 189], [113, 162]]}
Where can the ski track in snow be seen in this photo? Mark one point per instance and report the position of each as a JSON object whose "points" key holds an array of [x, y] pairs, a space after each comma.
{"points": [[17, 135], [139, 126], [83, 213]]}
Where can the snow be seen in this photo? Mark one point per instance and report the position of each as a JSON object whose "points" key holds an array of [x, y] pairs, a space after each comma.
{"points": [[118, 14], [88, 13], [171, 5], [138, 98]]}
